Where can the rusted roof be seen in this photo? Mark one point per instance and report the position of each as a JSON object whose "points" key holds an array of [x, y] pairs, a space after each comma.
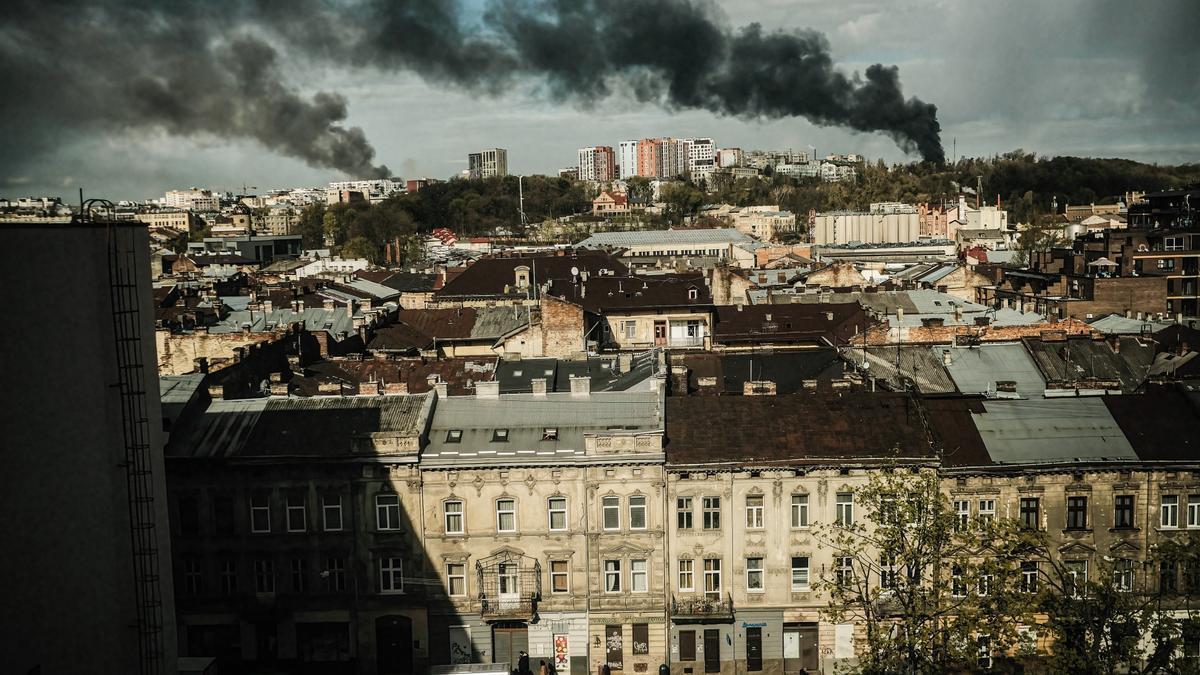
{"points": [[820, 324], [797, 429]]}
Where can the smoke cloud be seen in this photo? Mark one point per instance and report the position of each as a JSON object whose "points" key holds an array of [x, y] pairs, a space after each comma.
{"points": [[216, 68]]}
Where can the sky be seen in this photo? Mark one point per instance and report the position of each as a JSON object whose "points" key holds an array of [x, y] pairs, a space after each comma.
{"points": [[1071, 77]]}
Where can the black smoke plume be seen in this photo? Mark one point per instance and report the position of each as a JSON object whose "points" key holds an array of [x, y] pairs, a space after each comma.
{"points": [[196, 67]]}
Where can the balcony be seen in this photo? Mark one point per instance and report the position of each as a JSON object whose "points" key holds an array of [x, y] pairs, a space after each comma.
{"points": [[510, 586], [522, 608], [702, 610]]}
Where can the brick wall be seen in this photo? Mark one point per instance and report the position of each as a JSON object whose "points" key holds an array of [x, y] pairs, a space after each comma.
{"points": [[562, 327]]}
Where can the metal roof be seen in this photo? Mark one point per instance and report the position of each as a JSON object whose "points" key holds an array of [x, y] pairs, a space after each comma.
{"points": [[976, 370], [1051, 431], [525, 419], [921, 364], [646, 237], [1115, 324]]}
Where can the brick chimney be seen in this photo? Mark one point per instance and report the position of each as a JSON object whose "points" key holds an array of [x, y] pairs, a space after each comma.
{"points": [[581, 386]]}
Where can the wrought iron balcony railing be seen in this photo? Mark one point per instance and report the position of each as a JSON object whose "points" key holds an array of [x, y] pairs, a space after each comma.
{"points": [[706, 608]]}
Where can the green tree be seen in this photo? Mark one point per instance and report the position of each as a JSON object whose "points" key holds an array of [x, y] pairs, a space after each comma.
{"points": [[932, 592], [682, 201], [311, 226], [360, 247]]}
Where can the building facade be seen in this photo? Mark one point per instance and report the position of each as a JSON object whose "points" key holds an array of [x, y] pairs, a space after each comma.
{"points": [[597, 163], [487, 163]]}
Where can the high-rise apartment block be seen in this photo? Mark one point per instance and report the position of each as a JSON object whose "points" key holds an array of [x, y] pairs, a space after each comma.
{"points": [[627, 159], [597, 163], [488, 163]]}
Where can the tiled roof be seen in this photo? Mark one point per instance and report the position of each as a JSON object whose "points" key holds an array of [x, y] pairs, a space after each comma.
{"points": [[607, 293], [491, 276], [644, 237]]}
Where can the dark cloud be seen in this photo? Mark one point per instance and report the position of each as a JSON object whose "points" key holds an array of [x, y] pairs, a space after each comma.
{"points": [[216, 69]]}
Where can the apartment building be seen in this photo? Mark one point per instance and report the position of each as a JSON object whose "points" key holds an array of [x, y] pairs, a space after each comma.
{"points": [[627, 159], [597, 163], [487, 163]]}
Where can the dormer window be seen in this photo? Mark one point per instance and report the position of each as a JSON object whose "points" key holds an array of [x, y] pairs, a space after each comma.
{"points": [[692, 293], [500, 436], [454, 436], [521, 274]]}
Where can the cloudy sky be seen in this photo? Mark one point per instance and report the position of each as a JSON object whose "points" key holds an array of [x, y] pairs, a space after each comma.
{"points": [[1073, 77]]}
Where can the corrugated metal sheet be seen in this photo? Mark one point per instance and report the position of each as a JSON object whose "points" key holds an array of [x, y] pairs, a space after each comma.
{"points": [[1115, 324], [1051, 431], [975, 370], [920, 364]]}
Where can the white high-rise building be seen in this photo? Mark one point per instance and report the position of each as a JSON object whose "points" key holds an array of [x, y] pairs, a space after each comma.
{"points": [[597, 163], [627, 158], [487, 163], [193, 199]]}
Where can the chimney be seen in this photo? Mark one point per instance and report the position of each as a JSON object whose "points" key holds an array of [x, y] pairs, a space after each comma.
{"points": [[349, 308], [625, 363], [488, 389], [201, 364], [946, 360], [539, 386], [267, 305], [958, 313], [327, 303], [581, 386], [439, 388], [899, 315], [216, 391]]}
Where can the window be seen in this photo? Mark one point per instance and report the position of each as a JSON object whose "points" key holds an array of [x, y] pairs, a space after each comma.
{"points": [[1075, 582], [962, 512], [550, 434], [1193, 511], [687, 575], [334, 575], [1170, 511], [1076, 513], [630, 328], [229, 577], [1123, 512], [1173, 243], [987, 511], [799, 510], [1029, 576], [612, 513], [639, 576], [506, 574], [193, 579], [1123, 575], [560, 578], [453, 513], [641, 638], [296, 513], [260, 513], [1168, 577], [188, 509], [557, 507], [845, 509], [506, 515], [500, 436], [712, 578], [387, 512], [299, 574], [223, 518], [687, 645], [712, 513], [1029, 513], [264, 576], [612, 576], [331, 513], [391, 574], [754, 575], [958, 587], [799, 573], [754, 512], [683, 513], [844, 572], [1166, 264], [454, 436], [456, 579], [888, 576], [637, 513], [985, 583]]}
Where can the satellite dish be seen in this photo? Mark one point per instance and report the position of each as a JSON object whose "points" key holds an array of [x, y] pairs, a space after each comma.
{"points": [[574, 271]]}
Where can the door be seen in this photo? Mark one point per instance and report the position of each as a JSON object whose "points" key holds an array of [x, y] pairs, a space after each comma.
{"points": [[507, 644], [753, 649], [712, 650], [800, 648], [660, 332], [393, 644], [510, 593]]}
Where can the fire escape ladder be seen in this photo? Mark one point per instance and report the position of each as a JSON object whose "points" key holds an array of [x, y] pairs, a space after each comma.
{"points": [[132, 377]]}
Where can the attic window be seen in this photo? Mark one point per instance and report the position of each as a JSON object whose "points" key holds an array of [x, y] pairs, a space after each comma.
{"points": [[500, 436], [516, 373], [692, 293], [550, 434], [454, 436]]}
